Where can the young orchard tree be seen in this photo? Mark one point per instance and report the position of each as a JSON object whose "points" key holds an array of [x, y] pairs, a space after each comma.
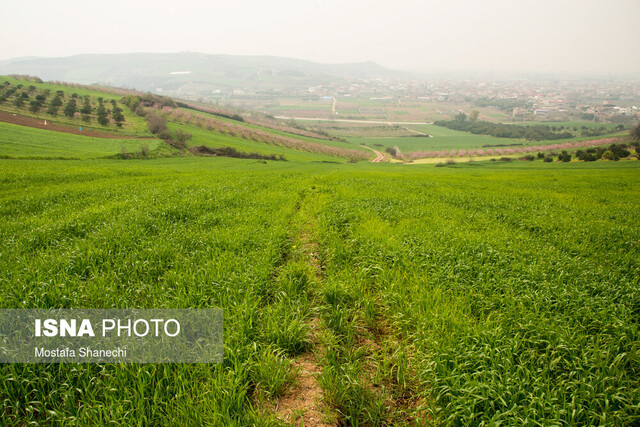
{"points": [[117, 115], [86, 106], [71, 108], [34, 106], [102, 113]]}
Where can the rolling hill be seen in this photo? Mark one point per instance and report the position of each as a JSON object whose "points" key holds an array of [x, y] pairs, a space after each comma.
{"points": [[192, 73]]}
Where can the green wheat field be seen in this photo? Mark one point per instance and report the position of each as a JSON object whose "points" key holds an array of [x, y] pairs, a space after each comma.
{"points": [[472, 294]]}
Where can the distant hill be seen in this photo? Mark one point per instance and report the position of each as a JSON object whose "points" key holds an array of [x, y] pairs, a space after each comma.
{"points": [[194, 73]]}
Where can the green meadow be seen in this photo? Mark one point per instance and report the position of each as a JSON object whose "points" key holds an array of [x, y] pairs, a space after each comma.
{"points": [[475, 294], [21, 141], [441, 139], [449, 139]]}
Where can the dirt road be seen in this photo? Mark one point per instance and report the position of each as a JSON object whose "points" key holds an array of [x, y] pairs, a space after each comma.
{"points": [[379, 156]]}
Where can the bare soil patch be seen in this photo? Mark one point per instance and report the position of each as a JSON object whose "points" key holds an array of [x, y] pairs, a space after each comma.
{"points": [[300, 406], [33, 122]]}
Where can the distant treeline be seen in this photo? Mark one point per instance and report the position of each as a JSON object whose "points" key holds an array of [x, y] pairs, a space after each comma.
{"points": [[499, 130]]}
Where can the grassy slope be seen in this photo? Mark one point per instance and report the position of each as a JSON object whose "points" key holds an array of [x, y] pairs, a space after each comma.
{"points": [[340, 144], [22, 141], [18, 141], [133, 125], [475, 293], [215, 139]]}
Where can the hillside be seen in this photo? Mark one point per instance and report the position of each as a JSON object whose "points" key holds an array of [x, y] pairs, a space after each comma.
{"points": [[192, 73], [163, 128]]}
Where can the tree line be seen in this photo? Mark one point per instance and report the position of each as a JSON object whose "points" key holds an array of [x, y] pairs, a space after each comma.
{"points": [[536, 132]]}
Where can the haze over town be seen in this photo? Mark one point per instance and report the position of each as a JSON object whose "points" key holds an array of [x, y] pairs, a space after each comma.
{"points": [[571, 37]]}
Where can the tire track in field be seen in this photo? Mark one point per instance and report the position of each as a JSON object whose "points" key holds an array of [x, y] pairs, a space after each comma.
{"points": [[379, 155], [303, 403]]}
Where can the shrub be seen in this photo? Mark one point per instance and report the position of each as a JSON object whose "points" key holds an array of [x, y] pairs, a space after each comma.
{"points": [[564, 157], [619, 151], [124, 154], [182, 137], [156, 123], [608, 155], [548, 159]]}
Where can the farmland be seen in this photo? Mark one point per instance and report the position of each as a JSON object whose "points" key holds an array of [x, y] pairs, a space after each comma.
{"points": [[353, 293], [414, 295], [20, 141]]}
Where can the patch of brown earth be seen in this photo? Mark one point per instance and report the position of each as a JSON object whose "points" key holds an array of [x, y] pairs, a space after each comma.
{"points": [[33, 122], [301, 406]]}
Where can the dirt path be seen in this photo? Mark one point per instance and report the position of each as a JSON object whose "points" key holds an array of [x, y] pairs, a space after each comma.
{"points": [[33, 122], [379, 156], [303, 404]]}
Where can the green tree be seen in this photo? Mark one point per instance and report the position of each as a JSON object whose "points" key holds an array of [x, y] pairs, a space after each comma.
{"points": [[71, 108], [34, 106], [56, 101], [131, 101], [117, 115], [86, 107], [635, 132], [101, 112], [461, 117], [474, 115]]}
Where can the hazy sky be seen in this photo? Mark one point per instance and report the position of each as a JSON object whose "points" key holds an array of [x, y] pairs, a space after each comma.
{"points": [[560, 36]]}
